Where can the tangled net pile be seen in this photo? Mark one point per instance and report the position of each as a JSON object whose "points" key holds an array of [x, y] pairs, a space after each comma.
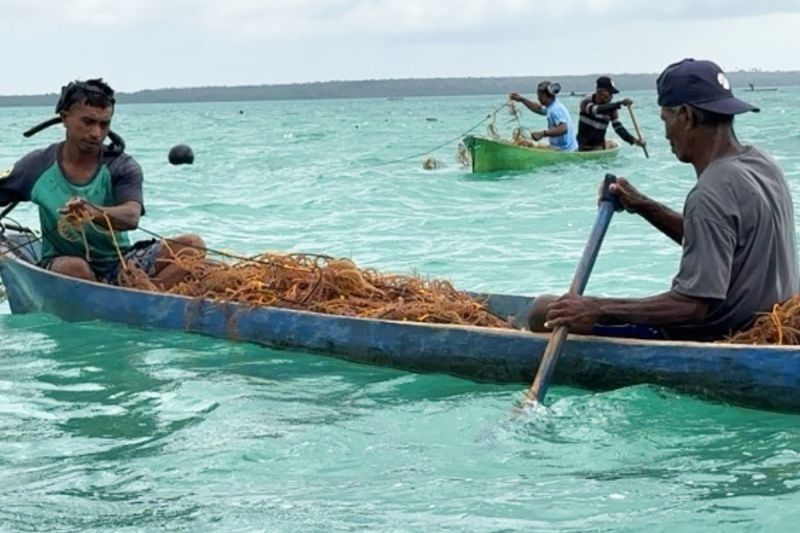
{"points": [[780, 326], [325, 285], [72, 226], [310, 282]]}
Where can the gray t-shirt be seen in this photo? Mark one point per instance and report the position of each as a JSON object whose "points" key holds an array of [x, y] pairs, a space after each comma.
{"points": [[739, 247]]}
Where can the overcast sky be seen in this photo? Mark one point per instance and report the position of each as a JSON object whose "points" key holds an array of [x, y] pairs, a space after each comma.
{"points": [[147, 44]]}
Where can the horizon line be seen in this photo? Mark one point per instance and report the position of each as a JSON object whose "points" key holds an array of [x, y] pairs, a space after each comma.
{"points": [[404, 79]]}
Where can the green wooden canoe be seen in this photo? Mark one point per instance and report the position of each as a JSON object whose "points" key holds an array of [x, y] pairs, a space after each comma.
{"points": [[488, 155]]}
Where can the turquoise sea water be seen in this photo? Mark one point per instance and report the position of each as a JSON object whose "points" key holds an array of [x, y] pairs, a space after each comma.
{"points": [[104, 427]]}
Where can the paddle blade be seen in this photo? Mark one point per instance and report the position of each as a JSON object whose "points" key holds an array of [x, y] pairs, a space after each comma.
{"points": [[638, 131], [547, 365]]}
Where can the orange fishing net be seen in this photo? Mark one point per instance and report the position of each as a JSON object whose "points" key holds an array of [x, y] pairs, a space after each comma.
{"points": [[310, 282], [323, 284], [71, 227], [780, 326]]}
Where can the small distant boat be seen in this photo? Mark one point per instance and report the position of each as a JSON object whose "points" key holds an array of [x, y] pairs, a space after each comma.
{"points": [[753, 88], [487, 155]]}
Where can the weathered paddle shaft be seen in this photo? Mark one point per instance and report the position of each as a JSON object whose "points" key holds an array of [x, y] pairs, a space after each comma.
{"points": [[553, 350], [638, 131]]}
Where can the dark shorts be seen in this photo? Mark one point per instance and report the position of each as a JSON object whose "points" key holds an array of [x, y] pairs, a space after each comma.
{"points": [[143, 254], [628, 331]]}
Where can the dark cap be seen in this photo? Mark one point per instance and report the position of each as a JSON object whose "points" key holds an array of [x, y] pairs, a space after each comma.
{"points": [[604, 82], [701, 84]]}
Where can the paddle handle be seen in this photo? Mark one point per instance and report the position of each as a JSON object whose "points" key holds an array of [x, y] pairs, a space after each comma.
{"points": [[552, 352], [638, 131]]}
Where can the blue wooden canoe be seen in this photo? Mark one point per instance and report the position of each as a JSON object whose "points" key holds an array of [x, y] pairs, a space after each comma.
{"points": [[756, 376]]}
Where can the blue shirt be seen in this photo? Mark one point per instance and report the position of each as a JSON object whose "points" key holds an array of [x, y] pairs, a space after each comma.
{"points": [[557, 114]]}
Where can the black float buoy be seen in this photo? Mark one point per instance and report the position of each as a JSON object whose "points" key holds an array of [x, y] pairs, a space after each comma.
{"points": [[181, 154]]}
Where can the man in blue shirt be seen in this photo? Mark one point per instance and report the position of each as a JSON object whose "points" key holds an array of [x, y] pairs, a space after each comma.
{"points": [[560, 128]]}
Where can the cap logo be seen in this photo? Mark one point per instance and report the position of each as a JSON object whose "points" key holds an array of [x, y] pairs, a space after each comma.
{"points": [[723, 81]]}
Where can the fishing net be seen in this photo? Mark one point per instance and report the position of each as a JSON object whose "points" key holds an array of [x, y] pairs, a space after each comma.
{"points": [[512, 110], [462, 155], [72, 226], [492, 132], [431, 163], [302, 281], [780, 326], [322, 284], [521, 136]]}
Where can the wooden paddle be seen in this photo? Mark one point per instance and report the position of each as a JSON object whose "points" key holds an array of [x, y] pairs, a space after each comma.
{"points": [[638, 131], [608, 205]]}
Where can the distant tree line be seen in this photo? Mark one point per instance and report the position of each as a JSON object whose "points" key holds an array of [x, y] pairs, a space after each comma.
{"points": [[399, 88]]}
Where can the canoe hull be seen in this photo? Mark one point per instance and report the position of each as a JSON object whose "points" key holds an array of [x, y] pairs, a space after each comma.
{"points": [[763, 377], [488, 155]]}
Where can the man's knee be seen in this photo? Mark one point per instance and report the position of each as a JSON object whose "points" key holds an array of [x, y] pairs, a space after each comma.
{"points": [[537, 314], [189, 240], [192, 241], [74, 267]]}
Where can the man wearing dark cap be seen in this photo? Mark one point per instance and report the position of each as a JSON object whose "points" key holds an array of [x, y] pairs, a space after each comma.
{"points": [[87, 180], [737, 227], [596, 112]]}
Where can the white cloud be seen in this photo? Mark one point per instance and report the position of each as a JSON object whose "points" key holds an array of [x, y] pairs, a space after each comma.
{"points": [[283, 20]]}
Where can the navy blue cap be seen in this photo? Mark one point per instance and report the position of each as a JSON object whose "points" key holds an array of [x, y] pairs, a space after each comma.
{"points": [[701, 84], [604, 82]]}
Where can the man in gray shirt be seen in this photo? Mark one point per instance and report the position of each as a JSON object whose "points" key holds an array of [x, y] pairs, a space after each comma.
{"points": [[737, 228]]}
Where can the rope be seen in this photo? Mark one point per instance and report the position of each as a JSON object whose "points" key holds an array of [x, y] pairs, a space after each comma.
{"points": [[113, 239], [166, 241], [20, 246], [492, 114]]}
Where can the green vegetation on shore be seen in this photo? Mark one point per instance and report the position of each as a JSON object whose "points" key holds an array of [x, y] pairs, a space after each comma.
{"points": [[399, 88]]}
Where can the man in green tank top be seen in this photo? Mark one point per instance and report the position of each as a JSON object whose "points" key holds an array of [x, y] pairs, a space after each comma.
{"points": [[83, 178]]}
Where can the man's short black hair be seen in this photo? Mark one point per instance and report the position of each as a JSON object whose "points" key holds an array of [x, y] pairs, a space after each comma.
{"points": [[94, 92], [703, 117], [706, 118]]}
